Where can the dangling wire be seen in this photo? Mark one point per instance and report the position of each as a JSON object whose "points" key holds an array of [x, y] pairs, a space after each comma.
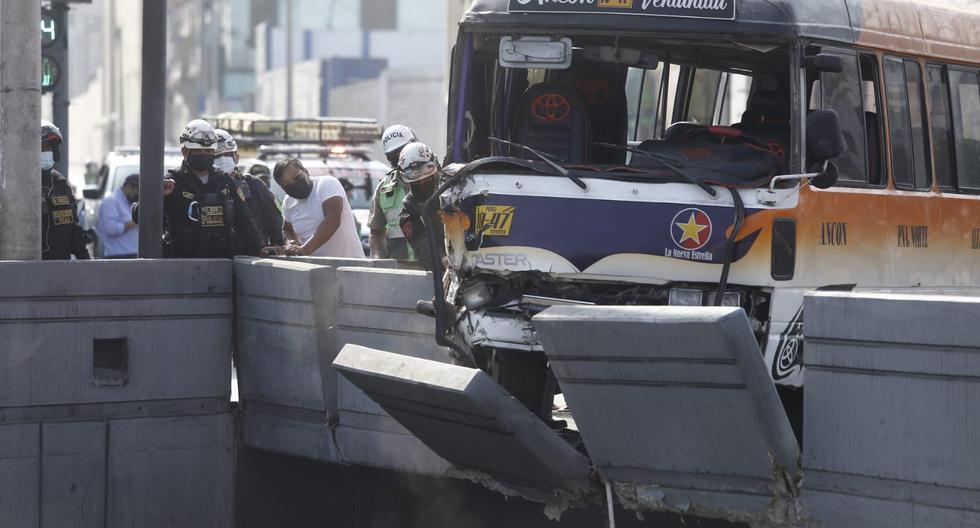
{"points": [[609, 505]]}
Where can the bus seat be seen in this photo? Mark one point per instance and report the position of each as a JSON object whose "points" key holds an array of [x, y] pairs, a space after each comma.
{"points": [[603, 88], [553, 119], [767, 119]]}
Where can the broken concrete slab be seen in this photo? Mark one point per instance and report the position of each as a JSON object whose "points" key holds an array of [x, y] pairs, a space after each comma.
{"points": [[892, 381], [677, 402], [466, 418]]}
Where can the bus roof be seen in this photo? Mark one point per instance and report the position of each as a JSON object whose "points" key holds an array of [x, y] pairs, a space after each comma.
{"points": [[904, 26]]}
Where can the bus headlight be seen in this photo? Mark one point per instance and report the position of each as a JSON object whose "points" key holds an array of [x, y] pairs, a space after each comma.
{"points": [[685, 297], [476, 296], [729, 299], [693, 297]]}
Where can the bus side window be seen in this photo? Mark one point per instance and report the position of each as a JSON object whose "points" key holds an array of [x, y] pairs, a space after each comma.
{"points": [[842, 92], [874, 138], [718, 98], [643, 91], [942, 127], [965, 100], [910, 164]]}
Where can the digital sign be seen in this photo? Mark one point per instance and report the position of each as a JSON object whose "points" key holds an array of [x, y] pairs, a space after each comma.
{"points": [[50, 30]]}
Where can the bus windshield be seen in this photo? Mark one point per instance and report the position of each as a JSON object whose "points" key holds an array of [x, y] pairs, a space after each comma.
{"points": [[717, 112]]}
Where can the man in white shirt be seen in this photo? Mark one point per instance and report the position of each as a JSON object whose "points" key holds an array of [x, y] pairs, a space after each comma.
{"points": [[118, 236], [318, 219]]}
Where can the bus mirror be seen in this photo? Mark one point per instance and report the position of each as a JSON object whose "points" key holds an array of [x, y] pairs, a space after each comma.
{"points": [[824, 138], [536, 52], [827, 63], [827, 177]]}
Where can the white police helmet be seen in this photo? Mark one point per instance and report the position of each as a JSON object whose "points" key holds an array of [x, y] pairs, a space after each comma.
{"points": [[417, 163], [396, 137], [198, 135], [225, 144]]}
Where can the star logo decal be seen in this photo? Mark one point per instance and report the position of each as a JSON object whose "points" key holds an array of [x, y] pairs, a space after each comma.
{"points": [[691, 229]]}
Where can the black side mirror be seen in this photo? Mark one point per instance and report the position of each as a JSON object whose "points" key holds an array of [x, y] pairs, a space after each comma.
{"points": [[826, 63], [91, 193], [824, 137], [828, 176]]}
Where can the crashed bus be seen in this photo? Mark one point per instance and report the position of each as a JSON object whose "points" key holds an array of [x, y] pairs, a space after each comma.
{"points": [[734, 153]]}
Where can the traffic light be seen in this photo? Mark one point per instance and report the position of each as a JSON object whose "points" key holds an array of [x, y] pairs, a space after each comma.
{"points": [[54, 48]]}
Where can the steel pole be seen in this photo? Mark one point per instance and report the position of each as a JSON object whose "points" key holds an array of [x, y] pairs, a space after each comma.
{"points": [[59, 96], [20, 130], [153, 112], [289, 59]]}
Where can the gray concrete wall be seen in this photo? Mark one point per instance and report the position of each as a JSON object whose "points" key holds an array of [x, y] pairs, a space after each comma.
{"points": [[377, 310], [892, 396], [88, 439], [285, 316]]}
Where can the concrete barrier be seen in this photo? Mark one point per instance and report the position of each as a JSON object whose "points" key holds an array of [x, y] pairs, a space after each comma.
{"points": [[286, 314], [114, 387], [285, 317], [466, 417], [377, 310], [675, 406], [892, 395]]}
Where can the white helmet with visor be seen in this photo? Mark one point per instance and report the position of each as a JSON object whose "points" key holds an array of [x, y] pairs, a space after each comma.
{"points": [[225, 143], [198, 135], [417, 163]]}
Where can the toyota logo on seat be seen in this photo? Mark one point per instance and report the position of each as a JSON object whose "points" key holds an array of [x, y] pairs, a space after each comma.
{"points": [[550, 108]]}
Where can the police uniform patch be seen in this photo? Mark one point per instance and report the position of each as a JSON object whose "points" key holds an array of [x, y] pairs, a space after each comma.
{"points": [[63, 217], [188, 195], [60, 199], [212, 216]]}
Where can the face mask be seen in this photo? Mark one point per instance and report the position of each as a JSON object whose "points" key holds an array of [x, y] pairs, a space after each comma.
{"points": [[200, 162], [300, 188], [424, 189], [224, 164], [47, 160]]}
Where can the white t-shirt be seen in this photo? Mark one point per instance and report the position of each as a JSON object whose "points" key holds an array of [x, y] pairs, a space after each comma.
{"points": [[306, 215]]}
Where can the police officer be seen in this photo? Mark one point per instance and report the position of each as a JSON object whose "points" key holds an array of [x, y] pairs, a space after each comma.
{"points": [[261, 202], [418, 168], [206, 211], [387, 239], [61, 236]]}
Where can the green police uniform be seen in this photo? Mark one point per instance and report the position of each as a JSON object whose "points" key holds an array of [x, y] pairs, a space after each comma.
{"points": [[386, 207]]}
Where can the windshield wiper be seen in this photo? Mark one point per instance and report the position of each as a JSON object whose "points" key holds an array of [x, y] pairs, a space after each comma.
{"points": [[544, 157], [707, 188]]}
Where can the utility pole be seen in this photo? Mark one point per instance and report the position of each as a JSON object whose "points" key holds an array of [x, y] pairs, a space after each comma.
{"points": [[59, 95], [289, 59], [20, 130], [153, 103]]}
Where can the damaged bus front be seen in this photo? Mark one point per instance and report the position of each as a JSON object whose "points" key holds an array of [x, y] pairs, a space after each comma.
{"points": [[626, 153]]}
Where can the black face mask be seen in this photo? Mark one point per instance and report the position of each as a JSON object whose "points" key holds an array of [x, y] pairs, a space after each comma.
{"points": [[424, 189], [300, 188], [200, 162]]}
